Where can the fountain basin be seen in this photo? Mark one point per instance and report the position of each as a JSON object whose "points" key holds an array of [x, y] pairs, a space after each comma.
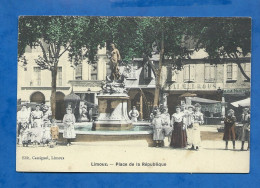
{"points": [[84, 133]]}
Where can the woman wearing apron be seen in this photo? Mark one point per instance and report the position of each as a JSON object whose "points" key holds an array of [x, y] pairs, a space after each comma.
{"points": [[69, 129]]}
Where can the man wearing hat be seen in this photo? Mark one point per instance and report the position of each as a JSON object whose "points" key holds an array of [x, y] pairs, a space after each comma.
{"points": [[229, 128], [245, 135]]}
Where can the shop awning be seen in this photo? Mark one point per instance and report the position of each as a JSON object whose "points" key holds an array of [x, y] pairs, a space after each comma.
{"points": [[202, 100], [187, 95], [243, 103]]}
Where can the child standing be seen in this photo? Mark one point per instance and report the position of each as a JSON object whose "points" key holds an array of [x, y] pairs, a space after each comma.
{"points": [[158, 135], [54, 133]]}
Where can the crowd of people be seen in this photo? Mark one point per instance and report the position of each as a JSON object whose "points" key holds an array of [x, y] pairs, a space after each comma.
{"points": [[35, 127], [181, 129]]}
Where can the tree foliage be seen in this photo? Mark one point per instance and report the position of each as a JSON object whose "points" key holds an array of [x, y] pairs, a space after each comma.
{"points": [[223, 38], [134, 37], [55, 35]]}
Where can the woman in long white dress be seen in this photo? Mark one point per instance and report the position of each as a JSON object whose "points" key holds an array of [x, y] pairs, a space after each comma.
{"points": [[37, 123], [166, 119], [188, 121], [198, 120], [69, 129]]}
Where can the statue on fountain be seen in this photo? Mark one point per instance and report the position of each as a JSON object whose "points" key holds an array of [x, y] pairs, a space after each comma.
{"points": [[115, 82], [114, 61], [113, 99]]}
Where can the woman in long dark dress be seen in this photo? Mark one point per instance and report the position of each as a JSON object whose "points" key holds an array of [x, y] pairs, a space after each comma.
{"points": [[245, 134], [229, 128], [179, 135]]}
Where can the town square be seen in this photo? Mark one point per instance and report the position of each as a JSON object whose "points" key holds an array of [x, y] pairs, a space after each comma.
{"points": [[133, 94]]}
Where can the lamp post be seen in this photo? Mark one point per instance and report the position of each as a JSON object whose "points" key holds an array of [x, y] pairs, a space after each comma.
{"points": [[223, 103]]}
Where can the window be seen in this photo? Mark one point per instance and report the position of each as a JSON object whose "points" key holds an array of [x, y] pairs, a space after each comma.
{"points": [[189, 73], [231, 72], [94, 72], [78, 72], [147, 71], [59, 75], [171, 74], [210, 73], [37, 76]]}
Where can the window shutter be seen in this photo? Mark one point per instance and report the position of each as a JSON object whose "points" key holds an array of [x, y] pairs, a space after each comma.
{"points": [[212, 73], [149, 72], [78, 72], [229, 71], [146, 70], [169, 74], [37, 76], [192, 73], [234, 71], [59, 76], [207, 77], [186, 73], [247, 69], [174, 75]]}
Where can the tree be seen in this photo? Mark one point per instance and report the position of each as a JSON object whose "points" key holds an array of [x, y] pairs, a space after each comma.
{"points": [[137, 37], [219, 37], [223, 38], [57, 34]]}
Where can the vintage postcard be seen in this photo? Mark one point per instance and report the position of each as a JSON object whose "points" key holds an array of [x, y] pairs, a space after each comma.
{"points": [[133, 94]]}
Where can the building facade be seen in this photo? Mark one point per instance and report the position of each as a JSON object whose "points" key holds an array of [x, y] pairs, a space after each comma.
{"points": [[34, 84], [222, 82]]}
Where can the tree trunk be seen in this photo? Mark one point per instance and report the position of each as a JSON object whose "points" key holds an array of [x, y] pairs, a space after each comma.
{"points": [[240, 67], [242, 71], [158, 74], [53, 91]]}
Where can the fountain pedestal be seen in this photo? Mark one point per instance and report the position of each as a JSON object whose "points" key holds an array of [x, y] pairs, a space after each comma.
{"points": [[112, 109]]}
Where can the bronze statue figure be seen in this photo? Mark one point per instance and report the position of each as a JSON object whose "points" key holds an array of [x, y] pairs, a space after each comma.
{"points": [[114, 60]]}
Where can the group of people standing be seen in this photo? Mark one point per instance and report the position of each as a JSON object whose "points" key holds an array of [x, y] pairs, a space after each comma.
{"points": [[229, 128], [182, 128], [35, 127]]}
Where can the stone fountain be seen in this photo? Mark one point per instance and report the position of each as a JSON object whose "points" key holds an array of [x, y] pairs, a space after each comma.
{"points": [[112, 106], [112, 99]]}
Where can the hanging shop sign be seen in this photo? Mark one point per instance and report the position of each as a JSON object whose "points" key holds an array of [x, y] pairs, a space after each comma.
{"points": [[243, 91]]}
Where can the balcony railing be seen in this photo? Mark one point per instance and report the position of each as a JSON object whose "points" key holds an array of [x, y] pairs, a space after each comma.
{"points": [[86, 83]]}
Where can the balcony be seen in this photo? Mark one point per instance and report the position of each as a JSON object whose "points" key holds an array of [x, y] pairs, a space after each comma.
{"points": [[86, 83]]}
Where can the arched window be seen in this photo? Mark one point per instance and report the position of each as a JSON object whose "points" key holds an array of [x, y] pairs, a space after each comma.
{"points": [[37, 97]]}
